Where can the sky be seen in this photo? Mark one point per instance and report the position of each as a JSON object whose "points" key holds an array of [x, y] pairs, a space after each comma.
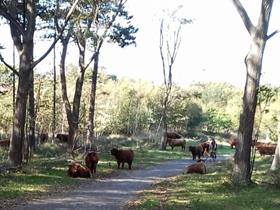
{"points": [[212, 47]]}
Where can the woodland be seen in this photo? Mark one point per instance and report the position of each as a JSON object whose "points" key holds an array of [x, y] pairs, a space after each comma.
{"points": [[87, 103]]}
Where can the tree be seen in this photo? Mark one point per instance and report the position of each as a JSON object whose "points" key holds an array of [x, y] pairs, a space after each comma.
{"points": [[21, 17], [276, 160], [169, 43], [253, 61], [115, 31]]}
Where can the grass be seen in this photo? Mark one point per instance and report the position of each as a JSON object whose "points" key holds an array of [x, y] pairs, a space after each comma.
{"points": [[212, 191], [47, 170]]}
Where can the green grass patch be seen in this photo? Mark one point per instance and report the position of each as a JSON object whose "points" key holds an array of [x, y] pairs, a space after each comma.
{"points": [[212, 191], [48, 169]]}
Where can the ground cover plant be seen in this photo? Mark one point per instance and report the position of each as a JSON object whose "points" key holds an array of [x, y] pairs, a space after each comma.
{"points": [[46, 172], [213, 190]]}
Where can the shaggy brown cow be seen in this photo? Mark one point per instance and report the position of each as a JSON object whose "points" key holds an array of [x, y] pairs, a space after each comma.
{"points": [[123, 156], [5, 143], [62, 137], [232, 141], [173, 135], [197, 151], [77, 170], [266, 148], [44, 137], [205, 146], [199, 168], [176, 143], [91, 161]]}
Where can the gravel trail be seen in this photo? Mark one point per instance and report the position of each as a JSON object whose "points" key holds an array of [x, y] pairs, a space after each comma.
{"points": [[111, 193]]}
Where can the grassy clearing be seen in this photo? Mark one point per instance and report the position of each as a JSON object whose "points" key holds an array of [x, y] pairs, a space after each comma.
{"points": [[212, 191], [47, 170]]}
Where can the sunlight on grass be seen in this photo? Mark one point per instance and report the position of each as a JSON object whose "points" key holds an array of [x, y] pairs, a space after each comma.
{"points": [[211, 191]]}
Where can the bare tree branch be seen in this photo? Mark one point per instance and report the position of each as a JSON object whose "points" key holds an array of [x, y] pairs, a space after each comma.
{"points": [[264, 17], [244, 16], [272, 34], [161, 51], [67, 19], [8, 66]]}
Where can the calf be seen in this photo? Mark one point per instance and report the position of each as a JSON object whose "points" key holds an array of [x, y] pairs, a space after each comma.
{"points": [[198, 167], [91, 161], [123, 156], [77, 170]]}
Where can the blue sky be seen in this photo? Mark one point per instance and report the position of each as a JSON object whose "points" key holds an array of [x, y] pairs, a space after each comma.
{"points": [[213, 47]]}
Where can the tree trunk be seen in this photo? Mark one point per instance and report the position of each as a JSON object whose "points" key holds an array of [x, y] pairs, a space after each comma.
{"points": [[32, 115], [22, 35], [276, 160], [65, 99], [17, 137], [241, 169], [72, 115], [164, 122], [91, 109]]}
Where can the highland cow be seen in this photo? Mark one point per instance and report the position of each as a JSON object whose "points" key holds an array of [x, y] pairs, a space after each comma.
{"points": [[266, 148], [123, 156], [77, 170], [199, 168], [62, 137], [173, 135], [176, 143], [44, 137], [197, 151], [91, 161], [232, 141]]}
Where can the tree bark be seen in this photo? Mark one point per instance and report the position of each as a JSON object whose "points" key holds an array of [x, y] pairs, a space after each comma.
{"points": [[63, 83], [241, 169], [22, 35], [92, 97], [276, 160]]}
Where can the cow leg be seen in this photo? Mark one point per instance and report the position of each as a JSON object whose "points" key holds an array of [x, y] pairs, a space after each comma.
{"points": [[119, 163]]}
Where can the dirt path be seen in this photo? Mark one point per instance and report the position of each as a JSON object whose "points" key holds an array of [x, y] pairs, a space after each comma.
{"points": [[111, 193]]}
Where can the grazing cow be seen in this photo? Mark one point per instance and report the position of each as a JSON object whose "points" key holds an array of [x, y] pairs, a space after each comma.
{"points": [[176, 143], [173, 135], [232, 141], [91, 161], [123, 156], [5, 143], [77, 170], [44, 137], [266, 148], [62, 137], [198, 167], [197, 151]]}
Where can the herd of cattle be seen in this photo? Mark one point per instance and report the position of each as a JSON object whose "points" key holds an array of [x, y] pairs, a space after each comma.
{"points": [[200, 153]]}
